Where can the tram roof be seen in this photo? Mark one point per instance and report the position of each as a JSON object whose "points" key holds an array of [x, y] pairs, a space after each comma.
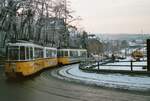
{"points": [[73, 49], [30, 45], [51, 48], [24, 44]]}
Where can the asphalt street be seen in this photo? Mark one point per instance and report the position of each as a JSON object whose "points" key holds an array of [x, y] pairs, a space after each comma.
{"points": [[44, 87]]}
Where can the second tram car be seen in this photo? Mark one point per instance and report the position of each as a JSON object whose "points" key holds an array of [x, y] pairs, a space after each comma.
{"points": [[68, 56]]}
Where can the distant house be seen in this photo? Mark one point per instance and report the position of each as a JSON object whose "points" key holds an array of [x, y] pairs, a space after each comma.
{"points": [[136, 44]]}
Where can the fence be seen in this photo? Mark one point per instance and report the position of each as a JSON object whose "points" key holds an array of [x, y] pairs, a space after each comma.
{"points": [[92, 64]]}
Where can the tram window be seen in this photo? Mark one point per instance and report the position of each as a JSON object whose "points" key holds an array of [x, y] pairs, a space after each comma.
{"points": [[83, 54], [22, 53], [52, 53], [41, 53], [38, 53], [60, 53], [27, 53], [13, 53], [74, 53], [55, 52], [7, 52], [31, 52], [71, 53], [65, 53], [48, 53]]}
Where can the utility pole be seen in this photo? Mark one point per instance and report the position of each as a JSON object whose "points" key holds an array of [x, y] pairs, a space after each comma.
{"points": [[148, 54]]}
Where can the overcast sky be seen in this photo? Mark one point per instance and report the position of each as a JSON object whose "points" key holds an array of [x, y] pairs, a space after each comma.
{"points": [[113, 16]]}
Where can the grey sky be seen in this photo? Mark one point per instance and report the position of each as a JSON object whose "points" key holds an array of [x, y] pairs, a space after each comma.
{"points": [[113, 16]]}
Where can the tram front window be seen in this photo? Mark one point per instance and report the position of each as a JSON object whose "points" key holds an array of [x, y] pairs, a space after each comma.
{"points": [[13, 53]]}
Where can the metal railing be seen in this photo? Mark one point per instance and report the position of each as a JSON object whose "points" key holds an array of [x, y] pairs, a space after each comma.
{"points": [[90, 64]]}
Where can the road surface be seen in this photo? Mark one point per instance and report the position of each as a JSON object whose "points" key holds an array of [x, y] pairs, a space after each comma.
{"points": [[44, 87]]}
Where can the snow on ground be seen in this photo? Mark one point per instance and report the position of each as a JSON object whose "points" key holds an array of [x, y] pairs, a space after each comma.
{"points": [[116, 80], [120, 68], [128, 63], [135, 82], [129, 58], [124, 65]]}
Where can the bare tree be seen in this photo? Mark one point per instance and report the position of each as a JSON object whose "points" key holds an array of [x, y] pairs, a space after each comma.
{"points": [[42, 21]]}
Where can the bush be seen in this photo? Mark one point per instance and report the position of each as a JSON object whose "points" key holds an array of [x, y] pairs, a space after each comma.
{"points": [[137, 55]]}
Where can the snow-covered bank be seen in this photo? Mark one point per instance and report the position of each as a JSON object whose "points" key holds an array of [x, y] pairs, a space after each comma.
{"points": [[107, 80], [124, 64], [137, 66]]}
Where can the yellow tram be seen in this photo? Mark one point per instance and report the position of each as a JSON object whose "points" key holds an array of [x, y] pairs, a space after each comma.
{"points": [[25, 58], [68, 56]]}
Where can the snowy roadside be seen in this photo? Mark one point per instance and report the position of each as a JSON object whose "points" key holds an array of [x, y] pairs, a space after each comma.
{"points": [[124, 64], [137, 66], [139, 83]]}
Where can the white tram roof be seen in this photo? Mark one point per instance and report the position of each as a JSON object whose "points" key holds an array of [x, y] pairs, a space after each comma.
{"points": [[73, 49], [50, 48], [30, 45], [25, 44]]}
